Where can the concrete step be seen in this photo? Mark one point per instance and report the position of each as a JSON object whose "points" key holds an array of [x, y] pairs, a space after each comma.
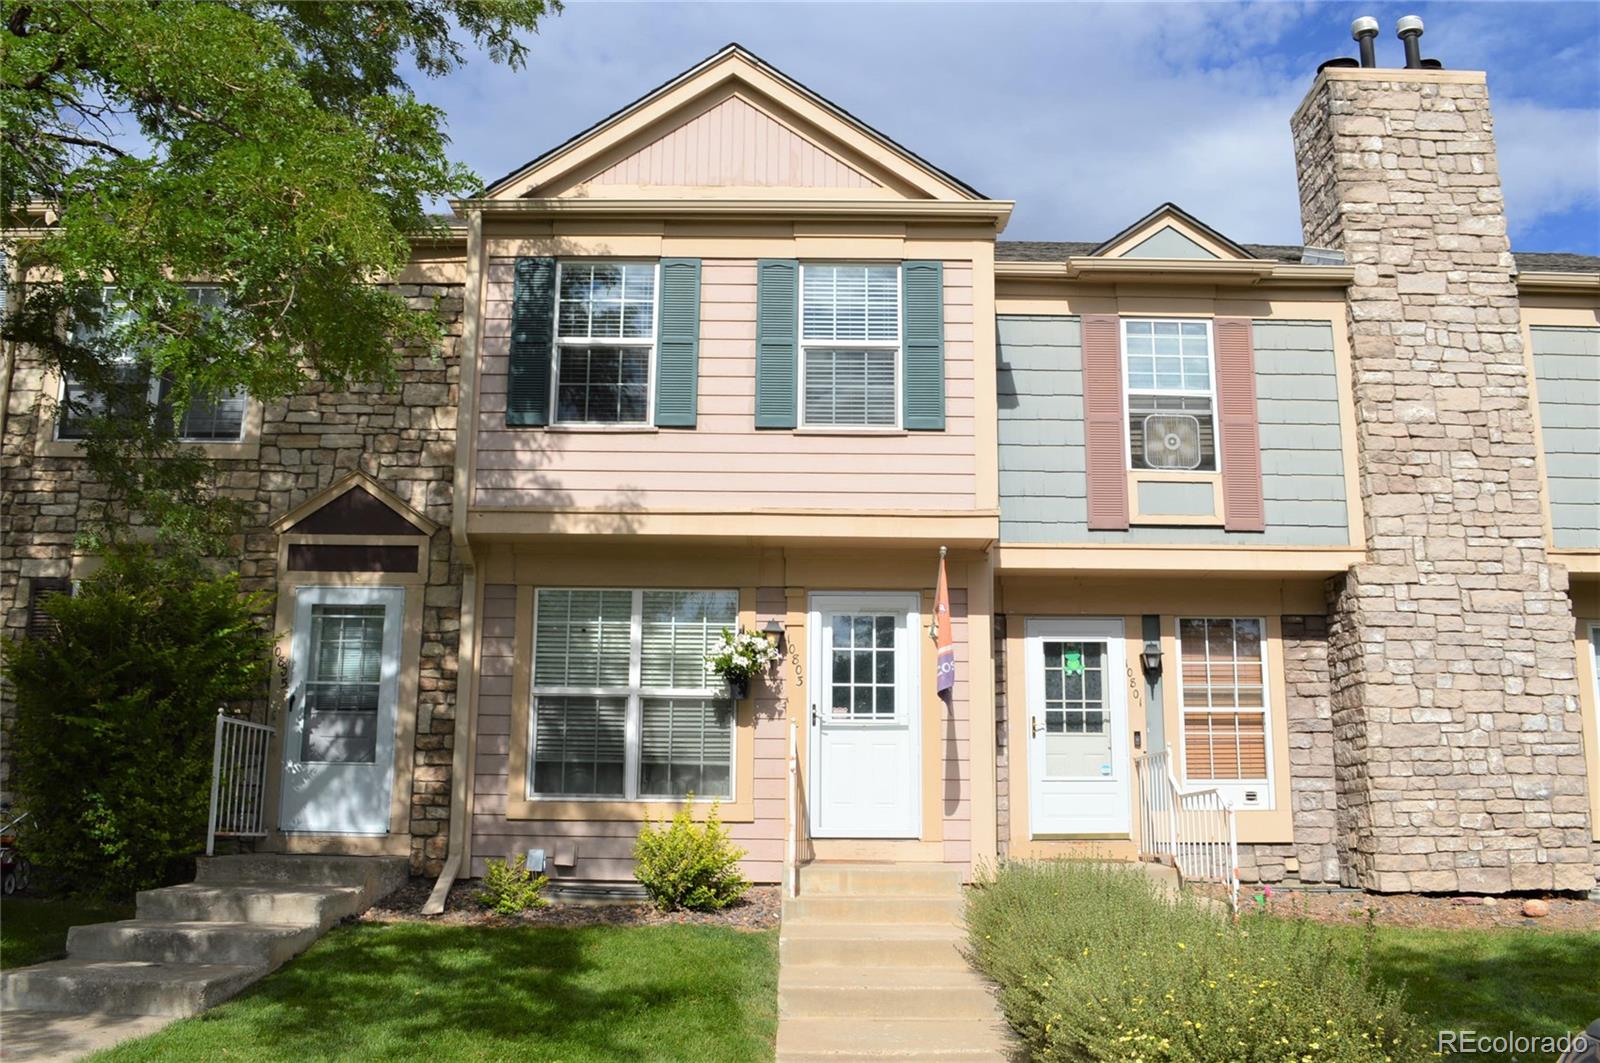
{"points": [[871, 944], [123, 988], [247, 944], [375, 876], [881, 880], [883, 993], [941, 908], [953, 1039], [318, 907]]}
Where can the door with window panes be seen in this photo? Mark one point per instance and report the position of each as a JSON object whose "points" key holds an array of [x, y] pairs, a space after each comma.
{"points": [[865, 735], [1078, 762], [344, 670], [624, 704]]}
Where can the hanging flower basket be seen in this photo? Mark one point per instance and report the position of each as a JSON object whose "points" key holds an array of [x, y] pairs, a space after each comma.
{"points": [[740, 656]]}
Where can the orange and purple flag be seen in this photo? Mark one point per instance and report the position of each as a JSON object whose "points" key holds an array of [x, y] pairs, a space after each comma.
{"points": [[944, 639]]}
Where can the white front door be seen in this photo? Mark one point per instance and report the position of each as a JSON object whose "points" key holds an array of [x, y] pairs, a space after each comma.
{"points": [[338, 746], [866, 777], [1078, 771]]}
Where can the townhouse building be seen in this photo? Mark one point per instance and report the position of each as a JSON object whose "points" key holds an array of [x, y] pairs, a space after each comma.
{"points": [[1314, 527]]}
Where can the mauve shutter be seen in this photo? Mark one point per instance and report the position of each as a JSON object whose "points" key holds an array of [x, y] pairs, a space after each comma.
{"points": [[533, 308], [777, 347], [1105, 434], [678, 348], [1240, 449], [922, 358]]}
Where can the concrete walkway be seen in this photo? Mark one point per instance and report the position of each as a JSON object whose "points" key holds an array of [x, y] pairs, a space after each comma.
{"points": [[870, 968], [188, 949]]}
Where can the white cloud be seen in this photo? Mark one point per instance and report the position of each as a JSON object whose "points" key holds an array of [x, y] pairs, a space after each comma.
{"points": [[1087, 115]]}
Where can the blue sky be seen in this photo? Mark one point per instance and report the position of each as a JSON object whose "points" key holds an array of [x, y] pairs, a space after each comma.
{"points": [[1088, 115]]}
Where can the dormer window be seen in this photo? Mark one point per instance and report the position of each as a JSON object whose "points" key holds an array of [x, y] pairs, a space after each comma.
{"points": [[1171, 398], [605, 342]]}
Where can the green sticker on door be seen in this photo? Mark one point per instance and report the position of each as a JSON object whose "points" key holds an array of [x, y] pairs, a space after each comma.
{"points": [[1072, 663]]}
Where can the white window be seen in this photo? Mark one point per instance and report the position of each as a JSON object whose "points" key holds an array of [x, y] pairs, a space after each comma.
{"points": [[605, 342], [624, 703], [850, 345], [1171, 397], [135, 388], [1223, 692]]}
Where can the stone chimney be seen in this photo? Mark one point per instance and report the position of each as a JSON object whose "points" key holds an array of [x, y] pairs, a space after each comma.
{"points": [[1457, 729]]}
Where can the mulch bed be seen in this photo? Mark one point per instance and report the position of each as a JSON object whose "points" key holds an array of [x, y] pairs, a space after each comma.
{"points": [[757, 910], [1412, 910]]}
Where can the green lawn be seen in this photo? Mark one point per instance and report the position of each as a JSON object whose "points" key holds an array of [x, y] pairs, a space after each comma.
{"points": [[413, 991], [33, 930], [1540, 983]]}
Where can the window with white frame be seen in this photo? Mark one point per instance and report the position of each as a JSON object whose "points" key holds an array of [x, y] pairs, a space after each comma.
{"points": [[133, 386], [850, 345], [624, 704], [1171, 398], [605, 342], [1223, 686]]}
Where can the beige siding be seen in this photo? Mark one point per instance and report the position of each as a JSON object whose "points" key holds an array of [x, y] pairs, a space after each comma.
{"points": [[724, 458], [605, 847], [733, 144]]}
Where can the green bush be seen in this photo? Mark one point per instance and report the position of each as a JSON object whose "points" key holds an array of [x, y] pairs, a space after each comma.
{"points": [[1094, 962], [115, 718], [510, 888], [684, 864]]}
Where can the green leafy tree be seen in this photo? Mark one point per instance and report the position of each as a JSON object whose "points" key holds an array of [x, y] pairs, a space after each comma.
{"points": [[112, 740], [269, 147]]}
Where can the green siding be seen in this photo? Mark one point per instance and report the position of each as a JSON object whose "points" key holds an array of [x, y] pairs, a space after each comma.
{"points": [[1566, 364], [532, 340], [922, 358], [777, 349], [1042, 461], [678, 346]]}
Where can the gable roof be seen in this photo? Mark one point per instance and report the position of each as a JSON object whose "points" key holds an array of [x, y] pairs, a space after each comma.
{"points": [[755, 68], [372, 504], [1171, 212]]}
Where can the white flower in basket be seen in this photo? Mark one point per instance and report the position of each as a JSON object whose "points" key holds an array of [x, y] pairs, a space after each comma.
{"points": [[740, 656]]}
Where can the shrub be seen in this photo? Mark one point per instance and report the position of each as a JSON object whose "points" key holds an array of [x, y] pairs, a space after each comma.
{"points": [[1095, 963], [684, 864], [510, 888], [115, 717]]}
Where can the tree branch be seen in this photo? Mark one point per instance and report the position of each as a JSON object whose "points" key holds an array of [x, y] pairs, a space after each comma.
{"points": [[86, 142]]}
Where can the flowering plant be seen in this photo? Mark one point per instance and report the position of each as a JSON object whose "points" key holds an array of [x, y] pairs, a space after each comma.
{"points": [[741, 655]]}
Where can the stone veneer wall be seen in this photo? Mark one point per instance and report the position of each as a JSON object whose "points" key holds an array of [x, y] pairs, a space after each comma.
{"points": [[404, 439], [1457, 741]]}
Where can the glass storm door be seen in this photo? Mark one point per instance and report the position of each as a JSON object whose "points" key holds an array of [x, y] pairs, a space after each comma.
{"points": [[865, 738], [1079, 780], [338, 747]]}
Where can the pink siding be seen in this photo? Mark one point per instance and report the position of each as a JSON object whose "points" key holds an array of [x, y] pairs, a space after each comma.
{"points": [[605, 847], [1243, 506], [1105, 429], [733, 144], [724, 458]]}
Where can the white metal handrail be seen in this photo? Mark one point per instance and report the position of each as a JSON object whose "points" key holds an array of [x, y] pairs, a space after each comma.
{"points": [[238, 780], [791, 845], [1195, 829]]}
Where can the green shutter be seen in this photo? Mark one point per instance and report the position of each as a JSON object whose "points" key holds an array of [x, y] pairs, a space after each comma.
{"points": [[678, 349], [533, 307], [777, 357], [923, 356]]}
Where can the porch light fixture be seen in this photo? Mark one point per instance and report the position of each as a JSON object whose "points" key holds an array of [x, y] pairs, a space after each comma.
{"points": [[1150, 659], [773, 629]]}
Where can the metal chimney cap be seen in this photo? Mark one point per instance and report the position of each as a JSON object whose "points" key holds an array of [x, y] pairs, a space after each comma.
{"points": [[1363, 26], [1408, 24]]}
